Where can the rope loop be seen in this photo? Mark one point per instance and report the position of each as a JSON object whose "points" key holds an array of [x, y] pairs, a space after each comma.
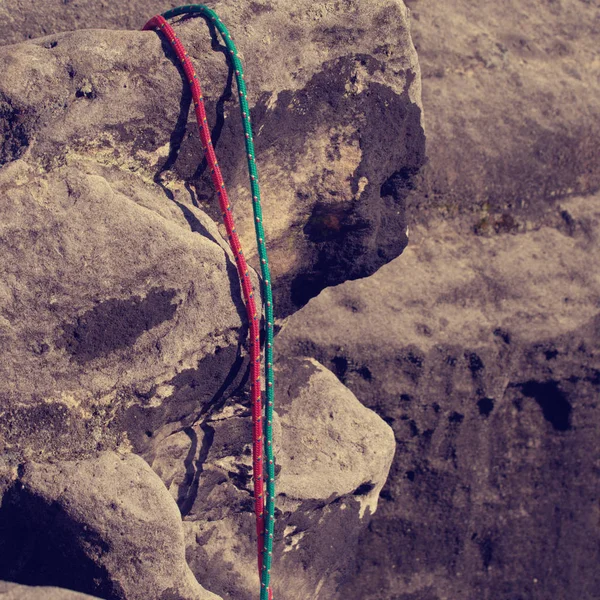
{"points": [[264, 509]]}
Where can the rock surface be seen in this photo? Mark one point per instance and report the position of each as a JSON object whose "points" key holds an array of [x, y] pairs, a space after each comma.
{"points": [[483, 355], [103, 311], [104, 526], [333, 457], [335, 109], [20, 20], [121, 319], [511, 95], [14, 591], [479, 346]]}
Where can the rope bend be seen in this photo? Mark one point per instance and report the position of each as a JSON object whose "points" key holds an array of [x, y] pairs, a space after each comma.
{"points": [[264, 528]]}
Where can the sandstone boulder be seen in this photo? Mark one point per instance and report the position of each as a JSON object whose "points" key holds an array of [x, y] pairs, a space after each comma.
{"points": [[332, 459], [14, 591], [335, 108], [483, 355], [105, 289], [121, 319], [104, 526]]}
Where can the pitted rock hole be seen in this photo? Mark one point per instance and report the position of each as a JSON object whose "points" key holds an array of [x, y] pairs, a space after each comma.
{"points": [[116, 323], [553, 402], [364, 488], [485, 406], [15, 130]]}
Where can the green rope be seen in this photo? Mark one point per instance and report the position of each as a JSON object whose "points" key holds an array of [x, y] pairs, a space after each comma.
{"points": [[266, 283]]}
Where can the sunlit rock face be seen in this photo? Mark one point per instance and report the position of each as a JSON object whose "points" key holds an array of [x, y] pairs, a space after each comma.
{"points": [[336, 114], [122, 326]]}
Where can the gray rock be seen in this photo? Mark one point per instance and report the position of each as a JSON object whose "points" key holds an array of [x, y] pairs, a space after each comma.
{"points": [[337, 107], [19, 21], [512, 105], [332, 459], [104, 526], [354, 447], [14, 591], [483, 355], [123, 329], [104, 322]]}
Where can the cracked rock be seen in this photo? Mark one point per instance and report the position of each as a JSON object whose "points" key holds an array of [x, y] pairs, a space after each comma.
{"points": [[483, 355], [335, 109], [103, 312], [332, 459]]}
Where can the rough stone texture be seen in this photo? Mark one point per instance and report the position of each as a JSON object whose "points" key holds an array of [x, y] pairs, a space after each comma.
{"points": [[333, 456], [336, 113], [104, 526], [22, 19], [354, 446], [116, 315], [14, 591], [483, 355], [479, 347], [511, 95], [104, 289]]}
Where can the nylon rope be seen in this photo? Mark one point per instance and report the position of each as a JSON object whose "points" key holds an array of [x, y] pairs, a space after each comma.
{"points": [[264, 527]]}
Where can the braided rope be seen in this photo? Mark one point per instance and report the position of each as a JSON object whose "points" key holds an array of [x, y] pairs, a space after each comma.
{"points": [[264, 529]]}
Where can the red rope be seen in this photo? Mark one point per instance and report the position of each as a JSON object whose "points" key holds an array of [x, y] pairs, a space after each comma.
{"points": [[161, 25]]}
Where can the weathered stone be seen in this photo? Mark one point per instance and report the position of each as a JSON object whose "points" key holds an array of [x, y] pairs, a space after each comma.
{"points": [[332, 459], [483, 358], [104, 526], [104, 323], [512, 105], [354, 447], [483, 355], [20, 21], [123, 328], [14, 591], [335, 109]]}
